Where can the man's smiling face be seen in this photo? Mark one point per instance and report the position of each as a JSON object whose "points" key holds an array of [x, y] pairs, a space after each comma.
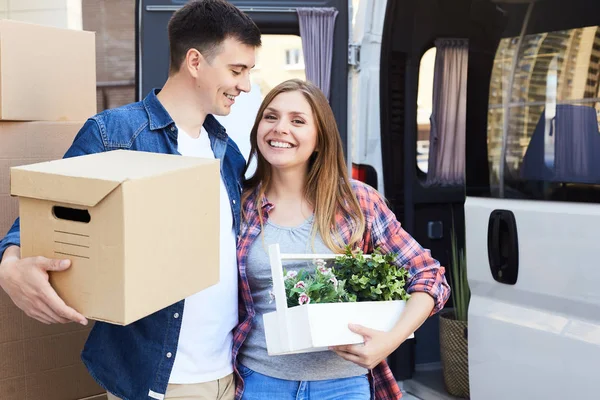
{"points": [[222, 78]]}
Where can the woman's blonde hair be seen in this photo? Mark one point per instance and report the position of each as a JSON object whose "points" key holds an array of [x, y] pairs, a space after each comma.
{"points": [[328, 187]]}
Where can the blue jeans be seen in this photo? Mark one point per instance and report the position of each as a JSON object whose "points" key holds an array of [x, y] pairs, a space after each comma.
{"points": [[260, 387]]}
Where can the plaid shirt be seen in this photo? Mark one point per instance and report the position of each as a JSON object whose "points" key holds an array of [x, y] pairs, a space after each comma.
{"points": [[382, 230]]}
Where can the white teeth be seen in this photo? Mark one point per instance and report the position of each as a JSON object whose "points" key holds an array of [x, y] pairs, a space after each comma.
{"points": [[230, 97], [280, 144]]}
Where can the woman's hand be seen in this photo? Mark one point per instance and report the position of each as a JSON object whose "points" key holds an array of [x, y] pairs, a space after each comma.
{"points": [[377, 346]]}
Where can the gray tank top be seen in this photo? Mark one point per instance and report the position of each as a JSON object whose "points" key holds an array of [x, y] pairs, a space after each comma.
{"points": [[253, 354]]}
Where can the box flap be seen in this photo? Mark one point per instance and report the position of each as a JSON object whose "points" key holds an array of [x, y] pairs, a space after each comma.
{"points": [[88, 179], [60, 188]]}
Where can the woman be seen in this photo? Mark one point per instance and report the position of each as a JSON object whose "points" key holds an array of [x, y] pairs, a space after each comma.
{"points": [[301, 197]]}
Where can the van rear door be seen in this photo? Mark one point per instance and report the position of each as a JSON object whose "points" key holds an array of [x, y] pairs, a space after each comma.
{"points": [[534, 316]]}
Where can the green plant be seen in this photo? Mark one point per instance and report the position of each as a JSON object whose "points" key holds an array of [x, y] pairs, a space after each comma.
{"points": [[374, 278], [461, 294], [322, 286]]}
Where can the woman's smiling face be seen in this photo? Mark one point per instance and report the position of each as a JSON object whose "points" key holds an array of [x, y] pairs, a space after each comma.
{"points": [[287, 132]]}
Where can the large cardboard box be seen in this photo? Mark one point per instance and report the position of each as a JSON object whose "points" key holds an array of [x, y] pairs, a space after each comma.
{"points": [[141, 229], [315, 327], [47, 73], [23, 143], [37, 361], [102, 396]]}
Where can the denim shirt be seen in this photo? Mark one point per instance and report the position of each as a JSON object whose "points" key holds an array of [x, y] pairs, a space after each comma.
{"points": [[135, 361]]}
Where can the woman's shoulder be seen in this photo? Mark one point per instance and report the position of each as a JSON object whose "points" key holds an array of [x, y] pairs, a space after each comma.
{"points": [[251, 202], [365, 193]]}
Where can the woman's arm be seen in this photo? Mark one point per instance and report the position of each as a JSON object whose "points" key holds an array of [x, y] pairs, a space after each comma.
{"points": [[378, 345], [426, 282], [425, 274]]}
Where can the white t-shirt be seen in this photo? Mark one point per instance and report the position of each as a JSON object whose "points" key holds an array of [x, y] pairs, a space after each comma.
{"points": [[206, 338]]}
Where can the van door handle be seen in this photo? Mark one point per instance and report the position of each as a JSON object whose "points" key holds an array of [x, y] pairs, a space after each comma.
{"points": [[503, 246]]}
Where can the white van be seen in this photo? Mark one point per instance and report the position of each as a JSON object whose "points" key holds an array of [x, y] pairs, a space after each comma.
{"points": [[528, 208]]}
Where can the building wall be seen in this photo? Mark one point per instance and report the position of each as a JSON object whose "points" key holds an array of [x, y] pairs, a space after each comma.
{"points": [[114, 24]]}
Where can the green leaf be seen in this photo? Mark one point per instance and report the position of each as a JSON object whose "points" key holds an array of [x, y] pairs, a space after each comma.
{"points": [[461, 293], [375, 278]]}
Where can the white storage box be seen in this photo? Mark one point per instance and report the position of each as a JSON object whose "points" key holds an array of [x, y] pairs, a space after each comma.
{"points": [[315, 327]]}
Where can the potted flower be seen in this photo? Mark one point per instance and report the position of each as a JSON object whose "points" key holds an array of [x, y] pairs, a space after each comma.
{"points": [[313, 310], [321, 287], [454, 349]]}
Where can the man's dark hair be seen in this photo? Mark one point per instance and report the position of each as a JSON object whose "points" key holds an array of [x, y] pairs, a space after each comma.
{"points": [[204, 25]]}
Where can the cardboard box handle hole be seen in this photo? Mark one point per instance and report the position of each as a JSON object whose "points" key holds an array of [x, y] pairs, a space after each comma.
{"points": [[71, 214]]}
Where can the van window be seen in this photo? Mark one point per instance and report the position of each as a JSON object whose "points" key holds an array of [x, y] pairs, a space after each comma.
{"points": [[552, 145]]}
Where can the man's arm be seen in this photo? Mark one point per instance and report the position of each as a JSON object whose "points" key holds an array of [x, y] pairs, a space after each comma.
{"points": [[26, 280], [12, 238]]}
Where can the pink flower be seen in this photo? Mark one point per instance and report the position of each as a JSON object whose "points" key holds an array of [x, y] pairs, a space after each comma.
{"points": [[320, 262], [325, 271], [291, 275], [303, 299], [300, 284], [334, 281]]}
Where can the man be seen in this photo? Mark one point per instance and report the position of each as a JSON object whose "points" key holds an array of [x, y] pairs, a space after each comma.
{"points": [[182, 351]]}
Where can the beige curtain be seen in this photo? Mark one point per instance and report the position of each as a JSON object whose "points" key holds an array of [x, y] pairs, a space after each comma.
{"points": [[317, 26], [449, 110]]}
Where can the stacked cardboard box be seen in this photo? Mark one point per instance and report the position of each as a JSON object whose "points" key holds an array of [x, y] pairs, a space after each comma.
{"points": [[45, 97]]}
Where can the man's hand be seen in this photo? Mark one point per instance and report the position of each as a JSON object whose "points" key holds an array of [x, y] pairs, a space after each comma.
{"points": [[26, 282], [378, 345]]}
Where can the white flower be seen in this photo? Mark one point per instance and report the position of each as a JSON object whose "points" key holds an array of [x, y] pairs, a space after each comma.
{"points": [[334, 281], [290, 275], [271, 296], [300, 284], [325, 271], [303, 299], [320, 263]]}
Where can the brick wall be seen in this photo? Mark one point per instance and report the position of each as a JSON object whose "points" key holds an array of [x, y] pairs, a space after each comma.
{"points": [[114, 24]]}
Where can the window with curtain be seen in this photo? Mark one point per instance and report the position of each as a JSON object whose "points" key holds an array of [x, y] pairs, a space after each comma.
{"points": [[446, 164], [424, 108]]}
